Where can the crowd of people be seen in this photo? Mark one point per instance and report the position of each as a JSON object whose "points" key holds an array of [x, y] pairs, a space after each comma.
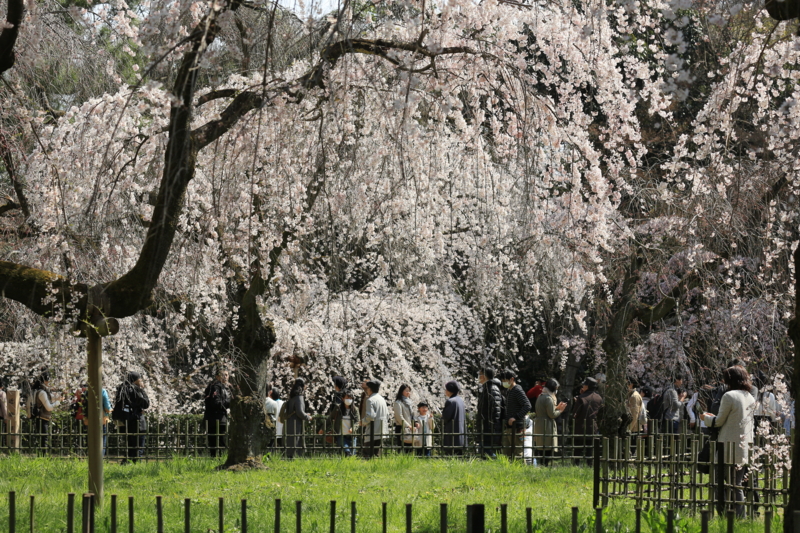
{"points": [[508, 420]]}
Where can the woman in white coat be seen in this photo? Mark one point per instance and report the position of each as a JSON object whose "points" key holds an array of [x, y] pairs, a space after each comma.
{"points": [[735, 423]]}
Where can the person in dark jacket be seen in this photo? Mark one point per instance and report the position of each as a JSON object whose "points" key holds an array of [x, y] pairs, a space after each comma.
{"points": [[490, 407], [586, 406], [217, 402], [344, 421], [129, 405], [296, 417], [517, 408], [454, 419]]}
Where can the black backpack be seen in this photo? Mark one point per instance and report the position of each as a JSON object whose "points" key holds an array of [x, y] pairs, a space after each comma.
{"points": [[36, 408], [655, 407]]}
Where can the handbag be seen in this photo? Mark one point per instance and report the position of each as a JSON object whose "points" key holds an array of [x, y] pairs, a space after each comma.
{"points": [[329, 438]]}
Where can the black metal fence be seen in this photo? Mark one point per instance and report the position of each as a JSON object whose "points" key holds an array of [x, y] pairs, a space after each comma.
{"points": [[188, 435]]}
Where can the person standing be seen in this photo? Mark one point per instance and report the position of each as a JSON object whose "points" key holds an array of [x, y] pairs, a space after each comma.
{"points": [[296, 417], [376, 415], [454, 420], [545, 434], [673, 405], [403, 412], [344, 420], [5, 418], [587, 405], [42, 407], [490, 406], [423, 431], [217, 402], [517, 408], [271, 411], [735, 423], [129, 405], [636, 409]]}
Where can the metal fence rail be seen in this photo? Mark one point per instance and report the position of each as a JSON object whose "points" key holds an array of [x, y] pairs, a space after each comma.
{"points": [[188, 435]]}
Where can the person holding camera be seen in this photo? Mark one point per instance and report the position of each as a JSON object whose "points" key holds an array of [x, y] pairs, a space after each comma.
{"points": [[517, 408]]}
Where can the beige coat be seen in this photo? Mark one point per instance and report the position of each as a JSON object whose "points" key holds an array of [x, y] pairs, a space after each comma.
{"points": [[735, 420], [545, 434], [636, 409]]}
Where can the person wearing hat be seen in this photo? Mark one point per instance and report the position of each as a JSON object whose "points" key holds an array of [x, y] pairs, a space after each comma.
{"points": [[454, 419], [376, 415], [129, 406], [517, 408], [586, 406]]}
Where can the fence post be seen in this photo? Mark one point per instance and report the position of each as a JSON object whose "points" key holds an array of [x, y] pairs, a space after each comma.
{"points": [[670, 520], [12, 512], [598, 520], [731, 520], [130, 514], [244, 515], [71, 512], [476, 522], [33, 498], [333, 516], [85, 514], [796, 519], [383, 511], [408, 518], [187, 515], [92, 499], [529, 519], [159, 515], [504, 518], [705, 515], [277, 515], [596, 484], [720, 474], [352, 517], [113, 513], [768, 521], [638, 523], [298, 515], [574, 520], [442, 518], [221, 526]]}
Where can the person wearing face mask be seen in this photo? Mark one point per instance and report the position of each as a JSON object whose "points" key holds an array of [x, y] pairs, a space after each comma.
{"points": [[454, 419], [344, 420], [545, 435], [490, 407], [517, 408]]}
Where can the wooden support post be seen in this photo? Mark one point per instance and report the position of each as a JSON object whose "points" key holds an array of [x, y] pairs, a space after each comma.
{"points": [[12, 398], [442, 518], [94, 368], [71, 512], [333, 516], [277, 515], [574, 520]]}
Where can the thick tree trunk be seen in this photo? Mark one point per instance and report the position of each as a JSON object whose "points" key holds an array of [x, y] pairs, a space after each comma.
{"points": [[794, 333], [253, 340]]}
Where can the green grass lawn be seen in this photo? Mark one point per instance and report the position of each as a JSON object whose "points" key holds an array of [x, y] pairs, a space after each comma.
{"points": [[397, 480]]}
